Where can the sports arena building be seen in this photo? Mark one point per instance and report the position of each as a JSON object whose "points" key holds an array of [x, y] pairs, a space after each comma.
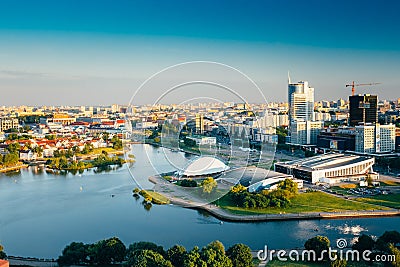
{"points": [[203, 166], [329, 168]]}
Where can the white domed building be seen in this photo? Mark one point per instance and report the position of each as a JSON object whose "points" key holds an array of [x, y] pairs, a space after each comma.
{"points": [[203, 166]]}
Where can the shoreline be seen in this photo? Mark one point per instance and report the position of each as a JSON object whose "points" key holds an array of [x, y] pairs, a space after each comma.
{"points": [[13, 168], [225, 215]]}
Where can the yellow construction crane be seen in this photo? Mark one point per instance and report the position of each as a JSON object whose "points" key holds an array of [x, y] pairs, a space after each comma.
{"points": [[353, 86]]}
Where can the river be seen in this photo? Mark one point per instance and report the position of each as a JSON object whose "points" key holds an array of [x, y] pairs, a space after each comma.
{"points": [[41, 213]]}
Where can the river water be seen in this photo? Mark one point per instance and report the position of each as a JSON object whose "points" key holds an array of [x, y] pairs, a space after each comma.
{"points": [[40, 213]]}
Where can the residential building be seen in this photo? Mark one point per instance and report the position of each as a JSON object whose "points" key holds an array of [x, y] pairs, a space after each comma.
{"points": [[365, 138], [305, 132], [375, 138], [8, 123]]}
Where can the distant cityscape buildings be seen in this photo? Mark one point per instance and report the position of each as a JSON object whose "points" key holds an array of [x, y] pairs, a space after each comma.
{"points": [[364, 134]]}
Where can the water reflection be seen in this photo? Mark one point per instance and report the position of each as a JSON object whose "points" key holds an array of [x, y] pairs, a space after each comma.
{"points": [[38, 204]]}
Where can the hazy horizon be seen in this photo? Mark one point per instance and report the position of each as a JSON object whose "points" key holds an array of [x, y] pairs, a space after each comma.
{"points": [[98, 52]]}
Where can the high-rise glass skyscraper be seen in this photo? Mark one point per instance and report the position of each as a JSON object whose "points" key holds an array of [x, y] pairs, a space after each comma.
{"points": [[303, 128], [301, 101]]}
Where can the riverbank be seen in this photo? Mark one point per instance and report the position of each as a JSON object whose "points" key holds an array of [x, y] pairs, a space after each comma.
{"points": [[13, 168], [224, 215], [170, 191]]}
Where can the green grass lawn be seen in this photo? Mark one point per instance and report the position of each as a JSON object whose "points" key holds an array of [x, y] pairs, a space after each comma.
{"points": [[389, 183], [158, 198], [304, 202], [391, 200], [97, 151], [340, 190]]}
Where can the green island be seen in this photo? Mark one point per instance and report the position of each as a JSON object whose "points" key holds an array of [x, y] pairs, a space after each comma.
{"points": [[62, 162], [152, 197]]}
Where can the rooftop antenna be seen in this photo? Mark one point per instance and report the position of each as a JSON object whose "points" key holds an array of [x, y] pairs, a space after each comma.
{"points": [[288, 77]]}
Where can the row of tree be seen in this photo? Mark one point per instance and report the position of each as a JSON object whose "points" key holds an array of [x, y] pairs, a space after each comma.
{"points": [[280, 197], [147, 254]]}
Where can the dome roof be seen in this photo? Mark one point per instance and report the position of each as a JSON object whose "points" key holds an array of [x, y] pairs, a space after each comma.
{"points": [[204, 166]]}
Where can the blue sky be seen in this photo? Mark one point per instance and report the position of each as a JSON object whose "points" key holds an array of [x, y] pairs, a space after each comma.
{"points": [[97, 52]]}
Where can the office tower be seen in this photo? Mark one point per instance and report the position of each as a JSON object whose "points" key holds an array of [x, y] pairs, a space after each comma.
{"points": [[301, 101], [303, 128], [363, 109]]}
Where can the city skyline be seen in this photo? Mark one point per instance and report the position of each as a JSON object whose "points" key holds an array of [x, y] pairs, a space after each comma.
{"points": [[71, 53]]}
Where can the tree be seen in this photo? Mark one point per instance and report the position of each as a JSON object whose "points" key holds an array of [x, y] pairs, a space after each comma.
{"points": [[14, 147], [214, 255], [290, 186], [176, 255], [38, 150], [193, 259], [74, 254], [208, 185], [282, 133], [12, 136], [188, 183], [189, 142], [390, 237], [3, 255], [396, 252], [105, 136], [370, 181], [240, 255], [50, 136], [117, 143], [338, 263], [11, 159], [217, 246], [317, 244], [364, 242], [107, 251], [238, 188], [147, 258], [145, 246]]}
